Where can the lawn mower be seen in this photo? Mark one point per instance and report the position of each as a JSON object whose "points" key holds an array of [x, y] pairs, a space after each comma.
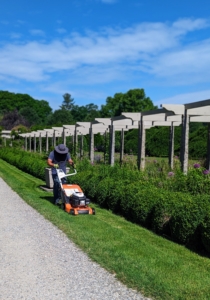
{"points": [[73, 200]]}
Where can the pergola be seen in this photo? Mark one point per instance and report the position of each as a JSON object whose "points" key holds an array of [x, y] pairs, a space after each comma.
{"points": [[126, 121], [170, 115], [75, 131], [190, 112], [6, 137], [173, 115], [34, 134], [156, 118]]}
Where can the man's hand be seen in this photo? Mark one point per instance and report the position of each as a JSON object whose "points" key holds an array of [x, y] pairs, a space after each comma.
{"points": [[56, 166]]}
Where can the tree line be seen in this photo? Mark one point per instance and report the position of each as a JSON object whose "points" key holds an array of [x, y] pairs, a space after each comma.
{"points": [[22, 109], [23, 113]]}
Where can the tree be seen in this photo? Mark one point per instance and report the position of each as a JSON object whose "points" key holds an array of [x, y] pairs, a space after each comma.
{"points": [[92, 112], [42, 109], [133, 101], [85, 113], [30, 115], [60, 117], [12, 119], [10, 101], [79, 113], [68, 102]]}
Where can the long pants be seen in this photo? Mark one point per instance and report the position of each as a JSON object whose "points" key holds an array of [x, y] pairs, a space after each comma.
{"points": [[56, 187]]}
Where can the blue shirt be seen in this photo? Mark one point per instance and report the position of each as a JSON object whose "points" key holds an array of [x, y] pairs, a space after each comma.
{"points": [[60, 159]]}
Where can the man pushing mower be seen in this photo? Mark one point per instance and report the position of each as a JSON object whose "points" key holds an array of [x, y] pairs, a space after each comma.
{"points": [[58, 158]]}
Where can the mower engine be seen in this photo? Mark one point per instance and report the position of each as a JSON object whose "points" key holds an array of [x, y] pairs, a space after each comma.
{"points": [[73, 199], [78, 199]]}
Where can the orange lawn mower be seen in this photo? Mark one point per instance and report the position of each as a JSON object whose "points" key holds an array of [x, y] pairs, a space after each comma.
{"points": [[73, 200]]}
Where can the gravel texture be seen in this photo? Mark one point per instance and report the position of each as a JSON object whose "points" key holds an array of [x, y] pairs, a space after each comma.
{"points": [[35, 260]]}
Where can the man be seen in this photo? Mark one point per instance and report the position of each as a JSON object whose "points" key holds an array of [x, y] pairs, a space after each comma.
{"points": [[58, 158]]}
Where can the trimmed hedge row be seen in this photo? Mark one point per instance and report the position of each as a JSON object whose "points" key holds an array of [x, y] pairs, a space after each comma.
{"points": [[181, 217], [28, 162]]}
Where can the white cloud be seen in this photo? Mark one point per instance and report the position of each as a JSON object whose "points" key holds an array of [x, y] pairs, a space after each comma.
{"points": [[158, 49], [61, 30], [185, 98], [109, 1], [4, 22], [37, 32], [15, 35], [187, 25], [188, 63]]}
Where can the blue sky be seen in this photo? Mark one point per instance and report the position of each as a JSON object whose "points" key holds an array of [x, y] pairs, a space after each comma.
{"points": [[93, 49]]}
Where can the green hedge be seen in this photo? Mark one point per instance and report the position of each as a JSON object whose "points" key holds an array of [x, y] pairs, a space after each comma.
{"points": [[187, 216], [181, 216], [31, 163], [205, 231], [177, 215]]}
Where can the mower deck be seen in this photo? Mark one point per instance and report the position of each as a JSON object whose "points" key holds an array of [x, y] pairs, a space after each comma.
{"points": [[73, 209]]}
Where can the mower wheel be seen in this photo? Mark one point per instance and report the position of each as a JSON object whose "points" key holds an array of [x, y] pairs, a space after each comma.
{"points": [[72, 212], [62, 206], [93, 211]]}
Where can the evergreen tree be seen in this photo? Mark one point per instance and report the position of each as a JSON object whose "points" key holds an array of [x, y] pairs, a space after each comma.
{"points": [[68, 102]]}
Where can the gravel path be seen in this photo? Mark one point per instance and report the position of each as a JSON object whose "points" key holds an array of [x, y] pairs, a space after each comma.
{"points": [[35, 261]]}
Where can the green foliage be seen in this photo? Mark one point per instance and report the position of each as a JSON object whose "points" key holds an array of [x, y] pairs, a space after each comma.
{"points": [[103, 191], [11, 101], [93, 182], [60, 117], [131, 101], [30, 115], [25, 161], [163, 210], [131, 141], [198, 142], [23, 110], [13, 119], [205, 231], [116, 195], [81, 179], [17, 130], [68, 102], [197, 183], [188, 214], [137, 203], [139, 258], [109, 194], [157, 143], [85, 113], [92, 112], [174, 206]]}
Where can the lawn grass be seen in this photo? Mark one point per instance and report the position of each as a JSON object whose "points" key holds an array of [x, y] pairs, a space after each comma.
{"points": [[154, 266]]}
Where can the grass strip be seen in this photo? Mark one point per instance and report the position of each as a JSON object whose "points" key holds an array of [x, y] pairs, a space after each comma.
{"points": [[154, 266]]}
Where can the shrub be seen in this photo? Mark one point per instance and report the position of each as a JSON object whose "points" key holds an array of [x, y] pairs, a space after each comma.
{"points": [[103, 191], [188, 214], [117, 195], [205, 231], [196, 181], [92, 182], [137, 203], [28, 162], [82, 179], [171, 204], [162, 212]]}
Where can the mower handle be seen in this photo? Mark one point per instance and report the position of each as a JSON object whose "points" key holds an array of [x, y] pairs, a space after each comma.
{"points": [[63, 161], [75, 172], [66, 175]]}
